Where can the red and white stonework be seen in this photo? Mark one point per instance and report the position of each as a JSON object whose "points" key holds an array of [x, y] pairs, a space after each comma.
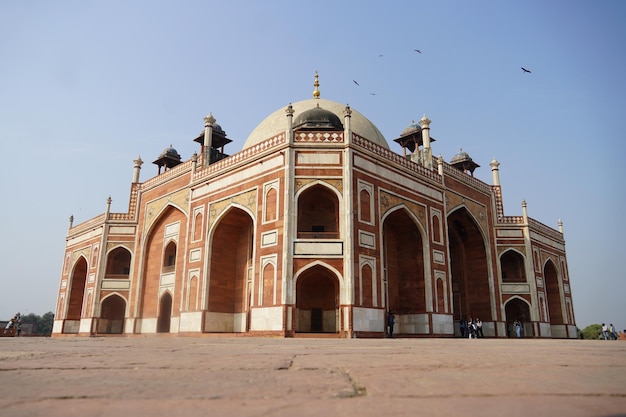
{"points": [[315, 226]]}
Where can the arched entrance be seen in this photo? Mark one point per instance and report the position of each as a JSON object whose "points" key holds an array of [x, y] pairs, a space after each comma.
{"points": [[317, 301], [231, 272], [553, 298], [112, 315], [165, 313], [470, 273], [75, 302], [517, 309], [404, 268]]}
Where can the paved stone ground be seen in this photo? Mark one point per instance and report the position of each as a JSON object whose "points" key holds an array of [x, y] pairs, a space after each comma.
{"points": [[243, 376]]}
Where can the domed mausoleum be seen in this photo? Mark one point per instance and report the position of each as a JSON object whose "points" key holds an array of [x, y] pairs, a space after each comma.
{"points": [[314, 227]]}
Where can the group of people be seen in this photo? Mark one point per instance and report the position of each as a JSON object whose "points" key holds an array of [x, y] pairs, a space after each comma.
{"points": [[609, 332], [15, 322], [471, 328]]}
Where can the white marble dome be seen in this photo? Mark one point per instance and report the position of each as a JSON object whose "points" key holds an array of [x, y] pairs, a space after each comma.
{"points": [[276, 122]]}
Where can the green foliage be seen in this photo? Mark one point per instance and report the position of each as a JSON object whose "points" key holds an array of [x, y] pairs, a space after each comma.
{"points": [[592, 331], [42, 325]]}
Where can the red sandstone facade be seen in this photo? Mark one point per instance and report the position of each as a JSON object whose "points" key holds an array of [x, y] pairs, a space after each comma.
{"points": [[314, 227]]}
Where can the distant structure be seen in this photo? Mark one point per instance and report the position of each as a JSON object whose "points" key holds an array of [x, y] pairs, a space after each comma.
{"points": [[315, 226]]}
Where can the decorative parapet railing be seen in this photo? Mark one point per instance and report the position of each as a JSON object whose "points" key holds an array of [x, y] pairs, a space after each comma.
{"points": [[545, 230], [319, 137], [511, 220], [240, 157], [167, 175], [86, 226], [122, 216], [395, 158], [466, 178]]}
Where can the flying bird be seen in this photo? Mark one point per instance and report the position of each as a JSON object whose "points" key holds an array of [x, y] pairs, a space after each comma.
{"points": [[525, 70], [418, 51], [354, 81], [380, 56], [373, 94]]}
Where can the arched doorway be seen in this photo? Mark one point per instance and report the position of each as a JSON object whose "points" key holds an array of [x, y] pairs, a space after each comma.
{"points": [[162, 270], [112, 315], [470, 274], [517, 309], [165, 313], [230, 272], [317, 301], [553, 294], [77, 292], [404, 269]]}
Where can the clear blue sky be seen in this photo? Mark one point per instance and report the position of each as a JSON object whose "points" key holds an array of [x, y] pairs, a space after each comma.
{"points": [[87, 86]]}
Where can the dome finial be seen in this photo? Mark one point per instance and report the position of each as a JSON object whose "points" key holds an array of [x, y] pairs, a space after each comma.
{"points": [[316, 84]]}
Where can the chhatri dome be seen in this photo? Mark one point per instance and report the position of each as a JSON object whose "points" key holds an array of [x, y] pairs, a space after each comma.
{"points": [[276, 122]]}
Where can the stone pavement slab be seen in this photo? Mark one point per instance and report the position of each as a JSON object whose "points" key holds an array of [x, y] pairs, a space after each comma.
{"points": [[245, 376]]}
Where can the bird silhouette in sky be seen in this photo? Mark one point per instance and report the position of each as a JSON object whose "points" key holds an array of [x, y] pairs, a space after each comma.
{"points": [[525, 70], [418, 51], [354, 81]]}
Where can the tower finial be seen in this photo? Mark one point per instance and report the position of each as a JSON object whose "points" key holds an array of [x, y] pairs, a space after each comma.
{"points": [[316, 84]]}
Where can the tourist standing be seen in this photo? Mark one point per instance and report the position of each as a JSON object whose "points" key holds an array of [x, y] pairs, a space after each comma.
{"points": [[605, 332], [479, 327], [391, 320]]}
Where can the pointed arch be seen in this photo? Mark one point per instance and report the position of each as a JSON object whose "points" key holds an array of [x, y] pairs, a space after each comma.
{"points": [[472, 287], [405, 263], [230, 265], [169, 256], [164, 313], [170, 225], [112, 313], [513, 266], [517, 309], [317, 299], [553, 293], [118, 260], [77, 284], [318, 211]]}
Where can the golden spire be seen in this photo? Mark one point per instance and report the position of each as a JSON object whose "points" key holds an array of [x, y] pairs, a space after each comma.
{"points": [[316, 84]]}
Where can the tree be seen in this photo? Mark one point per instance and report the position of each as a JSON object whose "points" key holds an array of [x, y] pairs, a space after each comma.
{"points": [[592, 331], [42, 325]]}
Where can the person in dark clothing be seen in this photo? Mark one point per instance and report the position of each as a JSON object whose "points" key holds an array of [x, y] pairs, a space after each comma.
{"points": [[391, 320]]}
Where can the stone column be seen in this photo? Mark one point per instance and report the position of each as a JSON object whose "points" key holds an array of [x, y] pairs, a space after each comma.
{"points": [[495, 172], [347, 127], [138, 162], [289, 132], [428, 153], [208, 137]]}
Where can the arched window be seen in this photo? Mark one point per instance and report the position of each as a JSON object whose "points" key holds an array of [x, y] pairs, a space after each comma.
{"points": [[367, 287], [270, 205], [318, 214], [118, 263], [512, 265], [365, 206], [436, 229], [169, 257], [197, 226]]}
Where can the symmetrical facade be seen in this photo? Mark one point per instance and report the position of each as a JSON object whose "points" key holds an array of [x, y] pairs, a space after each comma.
{"points": [[315, 226]]}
